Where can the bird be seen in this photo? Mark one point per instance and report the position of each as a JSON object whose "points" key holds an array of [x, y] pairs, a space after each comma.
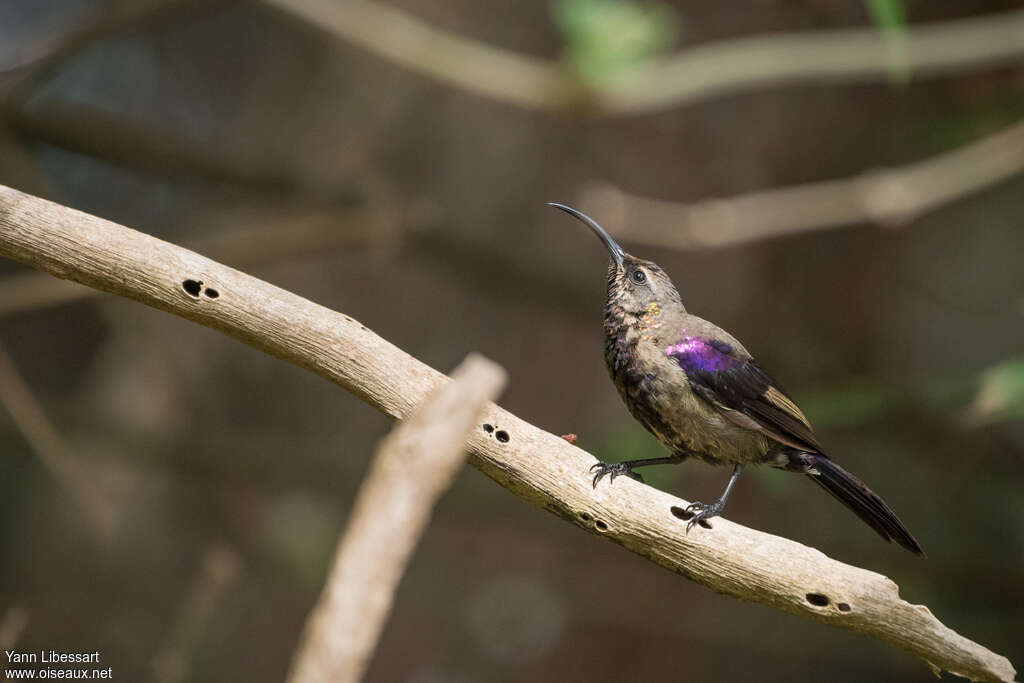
{"points": [[703, 395]]}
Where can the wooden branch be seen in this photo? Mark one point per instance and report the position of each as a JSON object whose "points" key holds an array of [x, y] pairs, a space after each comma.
{"points": [[477, 67], [12, 625], [535, 465], [219, 570], [31, 420], [160, 151], [929, 50], [695, 74], [413, 466], [272, 235], [888, 197]]}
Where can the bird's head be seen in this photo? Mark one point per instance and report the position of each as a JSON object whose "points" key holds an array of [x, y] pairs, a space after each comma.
{"points": [[635, 286]]}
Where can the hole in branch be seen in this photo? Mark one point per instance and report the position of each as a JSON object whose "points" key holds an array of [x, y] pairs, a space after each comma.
{"points": [[585, 516], [843, 607], [211, 293], [501, 435], [683, 513], [192, 287], [817, 599], [488, 428], [601, 526]]}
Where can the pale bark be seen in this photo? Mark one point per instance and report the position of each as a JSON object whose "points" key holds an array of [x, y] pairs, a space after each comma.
{"points": [[538, 466], [696, 73], [413, 466], [888, 197], [29, 417]]}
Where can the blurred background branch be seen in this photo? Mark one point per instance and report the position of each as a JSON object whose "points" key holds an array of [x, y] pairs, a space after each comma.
{"points": [[927, 50], [534, 464], [12, 624], [472, 65], [697, 73], [415, 204], [889, 198], [411, 469], [219, 569], [66, 468]]}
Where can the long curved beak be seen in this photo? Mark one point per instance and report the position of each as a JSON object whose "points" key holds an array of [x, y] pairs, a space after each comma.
{"points": [[613, 247]]}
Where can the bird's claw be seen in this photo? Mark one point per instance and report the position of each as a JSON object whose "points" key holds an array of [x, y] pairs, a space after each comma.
{"points": [[614, 469], [701, 511]]}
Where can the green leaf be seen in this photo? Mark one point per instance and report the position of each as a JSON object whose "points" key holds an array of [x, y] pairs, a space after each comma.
{"points": [[888, 15], [1000, 396], [891, 19], [604, 38]]}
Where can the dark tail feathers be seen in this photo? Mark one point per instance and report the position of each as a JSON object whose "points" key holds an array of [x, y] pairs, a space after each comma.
{"points": [[862, 500]]}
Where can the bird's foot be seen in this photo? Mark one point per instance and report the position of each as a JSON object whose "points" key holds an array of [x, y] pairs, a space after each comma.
{"points": [[614, 469], [701, 511]]}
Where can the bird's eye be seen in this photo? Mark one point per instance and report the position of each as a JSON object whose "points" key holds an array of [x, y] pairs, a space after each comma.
{"points": [[639, 276]]}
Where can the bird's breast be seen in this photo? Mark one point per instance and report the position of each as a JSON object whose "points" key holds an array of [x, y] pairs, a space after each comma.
{"points": [[658, 394]]}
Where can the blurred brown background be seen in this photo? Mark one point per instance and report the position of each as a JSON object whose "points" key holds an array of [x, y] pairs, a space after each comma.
{"points": [[190, 535]]}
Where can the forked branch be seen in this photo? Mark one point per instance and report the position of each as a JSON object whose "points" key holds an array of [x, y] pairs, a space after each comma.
{"points": [[535, 465], [694, 74], [412, 467]]}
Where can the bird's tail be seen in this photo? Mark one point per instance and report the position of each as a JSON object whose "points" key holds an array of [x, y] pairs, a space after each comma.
{"points": [[863, 501]]}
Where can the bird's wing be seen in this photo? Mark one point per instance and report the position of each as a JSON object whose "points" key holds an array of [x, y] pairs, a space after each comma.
{"points": [[742, 391]]}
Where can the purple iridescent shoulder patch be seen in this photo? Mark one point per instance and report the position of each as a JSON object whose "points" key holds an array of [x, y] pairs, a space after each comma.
{"points": [[699, 354]]}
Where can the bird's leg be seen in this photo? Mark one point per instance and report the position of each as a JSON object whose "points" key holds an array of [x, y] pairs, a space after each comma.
{"points": [[703, 510], [626, 467]]}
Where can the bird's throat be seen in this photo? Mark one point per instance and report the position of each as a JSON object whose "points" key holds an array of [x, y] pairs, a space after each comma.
{"points": [[631, 327]]}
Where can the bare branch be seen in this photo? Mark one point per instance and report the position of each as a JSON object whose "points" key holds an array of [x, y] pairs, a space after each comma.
{"points": [[925, 51], [219, 569], [697, 73], [12, 625], [39, 432], [274, 233], [162, 152], [413, 466], [482, 69], [889, 197], [537, 466]]}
